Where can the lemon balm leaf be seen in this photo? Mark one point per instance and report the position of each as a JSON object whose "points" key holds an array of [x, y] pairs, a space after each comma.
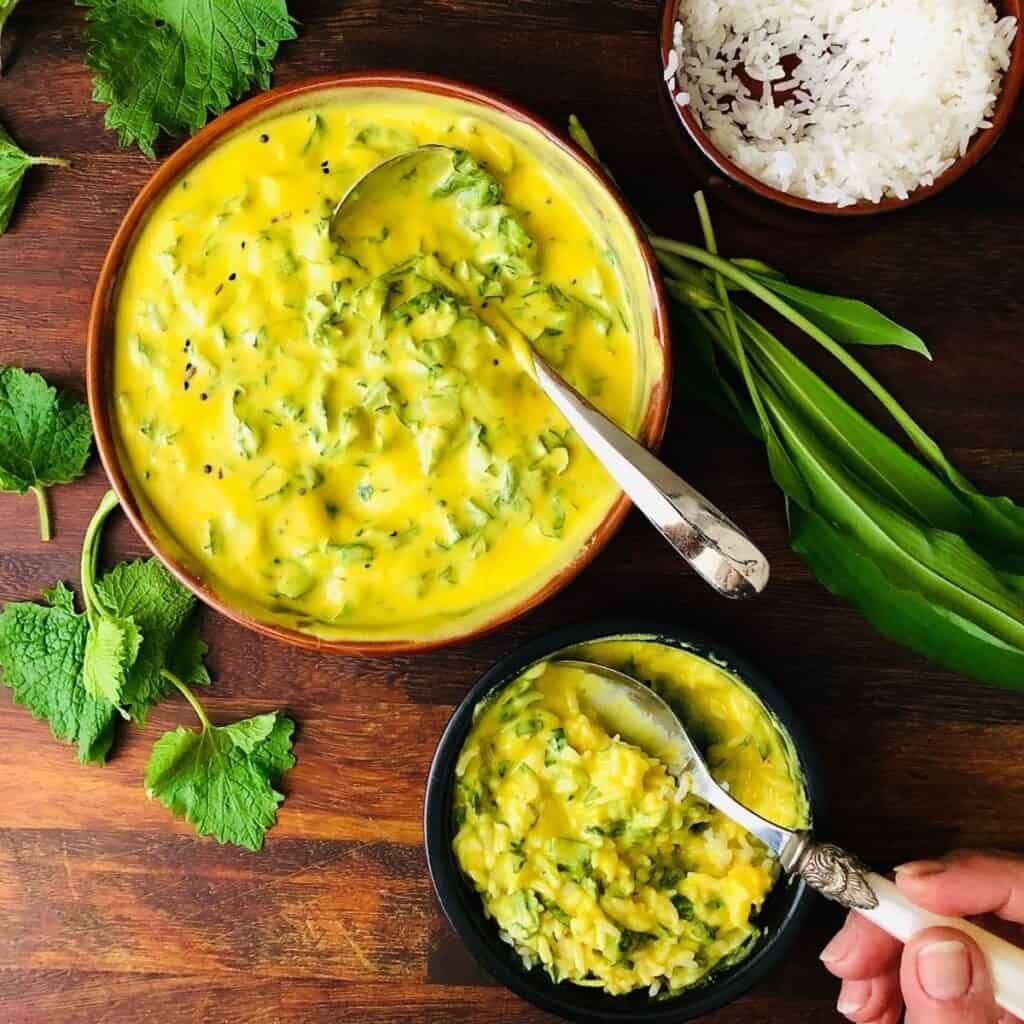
{"points": [[163, 611], [110, 651], [77, 669], [42, 649], [45, 435], [220, 778], [165, 65], [6, 10], [14, 162]]}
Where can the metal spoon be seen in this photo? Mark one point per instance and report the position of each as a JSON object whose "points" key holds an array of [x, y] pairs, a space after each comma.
{"points": [[701, 533], [630, 709]]}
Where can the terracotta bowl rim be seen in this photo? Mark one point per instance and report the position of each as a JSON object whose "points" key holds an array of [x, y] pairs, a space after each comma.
{"points": [[980, 145], [98, 360]]}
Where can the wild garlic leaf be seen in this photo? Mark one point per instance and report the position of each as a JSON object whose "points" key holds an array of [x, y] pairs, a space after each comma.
{"points": [[45, 437], [220, 779], [847, 320], [163, 65], [903, 614], [704, 379], [938, 564], [42, 649], [14, 162], [891, 471]]}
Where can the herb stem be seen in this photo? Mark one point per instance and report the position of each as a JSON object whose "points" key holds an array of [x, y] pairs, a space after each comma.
{"points": [[49, 161], [726, 268], [91, 550], [44, 512], [187, 694]]}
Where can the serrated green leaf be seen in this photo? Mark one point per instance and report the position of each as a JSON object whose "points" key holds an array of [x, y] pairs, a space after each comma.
{"points": [[110, 651], [161, 608], [14, 162], [42, 649], [45, 435], [6, 10], [163, 65], [220, 778]]}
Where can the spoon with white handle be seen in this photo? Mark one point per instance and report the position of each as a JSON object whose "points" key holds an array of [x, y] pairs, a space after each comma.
{"points": [[704, 536], [627, 707]]}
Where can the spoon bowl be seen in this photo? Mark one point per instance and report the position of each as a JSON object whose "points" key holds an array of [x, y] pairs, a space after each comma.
{"points": [[698, 531], [627, 707]]}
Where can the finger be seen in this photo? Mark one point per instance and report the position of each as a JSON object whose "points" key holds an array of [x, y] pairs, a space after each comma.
{"points": [[865, 1002], [944, 980], [860, 951], [966, 883], [889, 1017]]}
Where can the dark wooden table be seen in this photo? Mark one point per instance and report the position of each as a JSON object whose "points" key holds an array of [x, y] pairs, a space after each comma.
{"points": [[110, 913]]}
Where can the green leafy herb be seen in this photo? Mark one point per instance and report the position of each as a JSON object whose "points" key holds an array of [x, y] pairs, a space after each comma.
{"points": [[6, 10], [135, 642], [45, 437], [630, 940], [166, 66], [14, 162], [907, 539], [847, 320], [71, 668], [42, 647], [220, 779], [114, 637]]}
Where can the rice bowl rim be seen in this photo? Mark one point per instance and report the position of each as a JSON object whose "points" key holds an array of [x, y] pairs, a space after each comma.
{"points": [[980, 145]]}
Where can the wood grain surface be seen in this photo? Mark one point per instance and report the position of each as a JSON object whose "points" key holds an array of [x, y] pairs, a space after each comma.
{"points": [[111, 913]]}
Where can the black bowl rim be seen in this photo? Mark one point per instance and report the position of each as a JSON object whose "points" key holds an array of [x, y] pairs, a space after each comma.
{"points": [[478, 933]]}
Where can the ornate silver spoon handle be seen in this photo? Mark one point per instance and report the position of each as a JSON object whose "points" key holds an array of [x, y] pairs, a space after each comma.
{"points": [[843, 878], [702, 534]]}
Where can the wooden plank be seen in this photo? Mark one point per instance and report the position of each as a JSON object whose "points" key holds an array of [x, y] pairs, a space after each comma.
{"points": [[112, 912]]}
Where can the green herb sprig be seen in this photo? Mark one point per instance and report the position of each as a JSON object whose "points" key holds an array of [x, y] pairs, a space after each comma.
{"points": [[925, 556], [136, 642], [165, 66], [45, 438], [14, 163]]}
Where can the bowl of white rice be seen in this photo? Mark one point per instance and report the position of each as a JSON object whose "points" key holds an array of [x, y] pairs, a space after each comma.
{"points": [[843, 106]]}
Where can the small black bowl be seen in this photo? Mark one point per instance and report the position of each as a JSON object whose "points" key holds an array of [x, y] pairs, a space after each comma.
{"points": [[779, 919]]}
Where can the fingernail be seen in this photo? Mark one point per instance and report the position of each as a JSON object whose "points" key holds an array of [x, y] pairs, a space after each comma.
{"points": [[920, 868], [944, 970], [838, 948], [853, 997]]}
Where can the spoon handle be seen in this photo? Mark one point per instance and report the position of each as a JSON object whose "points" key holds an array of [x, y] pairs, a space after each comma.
{"points": [[703, 535], [842, 877]]}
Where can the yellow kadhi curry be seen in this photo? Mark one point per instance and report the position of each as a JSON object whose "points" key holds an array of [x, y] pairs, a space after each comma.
{"points": [[329, 433], [591, 859]]}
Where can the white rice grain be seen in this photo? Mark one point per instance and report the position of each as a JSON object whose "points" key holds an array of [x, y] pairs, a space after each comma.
{"points": [[883, 97]]}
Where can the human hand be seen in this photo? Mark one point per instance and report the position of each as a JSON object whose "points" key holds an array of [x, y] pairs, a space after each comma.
{"points": [[941, 975]]}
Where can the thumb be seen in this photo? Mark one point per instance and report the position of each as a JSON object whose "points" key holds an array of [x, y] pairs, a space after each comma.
{"points": [[945, 980]]}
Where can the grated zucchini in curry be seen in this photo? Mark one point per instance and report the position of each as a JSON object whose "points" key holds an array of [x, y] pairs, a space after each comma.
{"points": [[580, 846], [327, 432]]}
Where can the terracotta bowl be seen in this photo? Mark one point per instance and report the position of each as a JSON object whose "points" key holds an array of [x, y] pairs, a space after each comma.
{"points": [[982, 142], [101, 338]]}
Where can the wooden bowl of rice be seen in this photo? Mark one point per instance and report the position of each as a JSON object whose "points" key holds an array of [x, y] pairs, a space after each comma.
{"points": [[938, 103]]}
